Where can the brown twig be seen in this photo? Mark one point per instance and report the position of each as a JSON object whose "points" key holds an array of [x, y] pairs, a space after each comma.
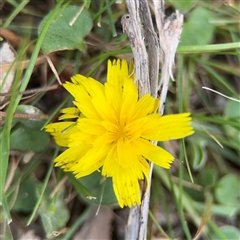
{"points": [[25, 116]]}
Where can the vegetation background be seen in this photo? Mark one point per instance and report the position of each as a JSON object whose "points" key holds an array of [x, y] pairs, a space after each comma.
{"points": [[197, 199]]}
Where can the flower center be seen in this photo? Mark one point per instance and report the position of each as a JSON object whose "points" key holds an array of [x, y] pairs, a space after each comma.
{"points": [[117, 131], [121, 133]]}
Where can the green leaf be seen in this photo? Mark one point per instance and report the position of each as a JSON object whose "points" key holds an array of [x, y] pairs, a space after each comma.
{"points": [[87, 3], [54, 213], [27, 196], [208, 177], [232, 115], [26, 134], [66, 32], [227, 190], [199, 153], [100, 187], [97, 186], [232, 109], [197, 30], [230, 232], [183, 6]]}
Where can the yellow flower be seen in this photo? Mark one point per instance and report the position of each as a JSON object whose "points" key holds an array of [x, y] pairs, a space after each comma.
{"points": [[113, 130]]}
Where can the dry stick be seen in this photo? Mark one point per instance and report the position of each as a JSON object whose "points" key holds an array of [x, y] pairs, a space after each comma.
{"points": [[132, 27], [153, 47], [153, 56], [169, 33]]}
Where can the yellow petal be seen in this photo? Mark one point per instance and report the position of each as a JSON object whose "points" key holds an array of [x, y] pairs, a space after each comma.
{"points": [[110, 164], [144, 106], [104, 139], [71, 112], [153, 153], [103, 108], [129, 101], [134, 129], [83, 99], [87, 108], [90, 126], [90, 162], [79, 138], [94, 88], [114, 97], [126, 187], [69, 157], [125, 156], [61, 132], [170, 127], [117, 71]]}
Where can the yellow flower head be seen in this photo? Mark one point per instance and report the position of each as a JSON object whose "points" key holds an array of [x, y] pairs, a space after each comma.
{"points": [[113, 131]]}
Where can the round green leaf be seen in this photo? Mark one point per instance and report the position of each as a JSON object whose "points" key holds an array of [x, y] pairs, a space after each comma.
{"points": [[227, 190], [197, 30], [67, 31]]}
